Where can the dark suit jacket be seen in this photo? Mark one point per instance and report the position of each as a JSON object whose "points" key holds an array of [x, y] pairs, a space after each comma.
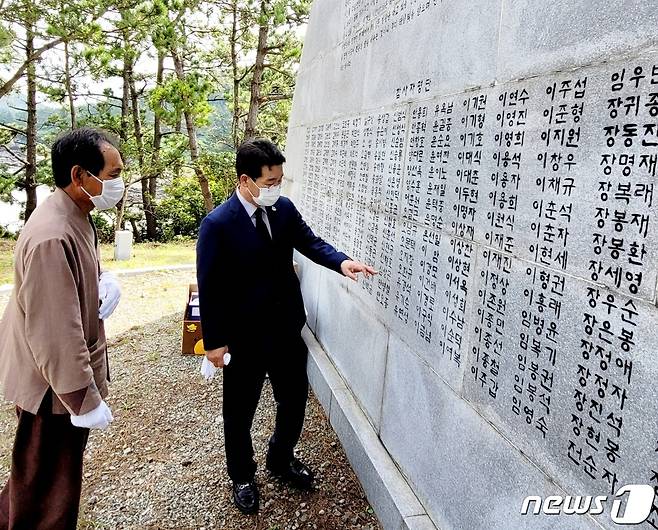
{"points": [[243, 280]]}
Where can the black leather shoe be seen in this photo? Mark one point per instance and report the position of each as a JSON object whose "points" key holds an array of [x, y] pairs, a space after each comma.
{"points": [[245, 497], [294, 472]]}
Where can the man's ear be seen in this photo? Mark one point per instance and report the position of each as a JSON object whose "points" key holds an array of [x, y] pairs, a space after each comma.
{"points": [[76, 174]]}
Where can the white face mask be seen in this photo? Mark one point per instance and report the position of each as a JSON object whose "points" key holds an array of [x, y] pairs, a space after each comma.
{"points": [[111, 193], [267, 196]]}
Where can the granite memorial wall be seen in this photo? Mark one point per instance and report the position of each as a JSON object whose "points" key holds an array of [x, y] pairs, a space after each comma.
{"points": [[496, 162]]}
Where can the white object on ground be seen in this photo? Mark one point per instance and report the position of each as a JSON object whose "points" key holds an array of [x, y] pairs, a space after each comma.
{"points": [[123, 245]]}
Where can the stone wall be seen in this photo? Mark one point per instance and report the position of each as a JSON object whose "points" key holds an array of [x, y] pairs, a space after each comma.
{"points": [[496, 162]]}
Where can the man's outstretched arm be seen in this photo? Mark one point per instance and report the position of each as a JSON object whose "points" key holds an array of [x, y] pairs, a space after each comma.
{"points": [[318, 250]]}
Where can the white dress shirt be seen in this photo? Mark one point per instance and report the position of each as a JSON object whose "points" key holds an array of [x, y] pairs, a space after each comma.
{"points": [[251, 211]]}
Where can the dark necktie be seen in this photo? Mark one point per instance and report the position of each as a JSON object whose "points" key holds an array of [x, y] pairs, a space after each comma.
{"points": [[261, 228]]}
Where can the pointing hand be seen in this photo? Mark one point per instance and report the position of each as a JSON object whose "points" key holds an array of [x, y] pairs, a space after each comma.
{"points": [[351, 268]]}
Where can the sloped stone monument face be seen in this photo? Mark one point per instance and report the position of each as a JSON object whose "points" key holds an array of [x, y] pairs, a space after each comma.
{"points": [[496, 162]]}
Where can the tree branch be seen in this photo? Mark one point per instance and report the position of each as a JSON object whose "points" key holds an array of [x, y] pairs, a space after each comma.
{"points": [[22, 168], [9, 84], [25, 164], [14, 129], [91, 94], [246, 73], [282, 72], [274, 47], [274, 97]]}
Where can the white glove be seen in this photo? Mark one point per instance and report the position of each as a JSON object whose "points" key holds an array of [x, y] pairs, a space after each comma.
{"points": [[109, 292], [99, 418], [208, 369]]}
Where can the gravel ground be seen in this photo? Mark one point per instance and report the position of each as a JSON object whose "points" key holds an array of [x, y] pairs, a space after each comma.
{"points": [[161, 464], [144, 298]]}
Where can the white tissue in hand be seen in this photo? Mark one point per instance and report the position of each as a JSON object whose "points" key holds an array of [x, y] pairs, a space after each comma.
{"points": [[207, 369]]}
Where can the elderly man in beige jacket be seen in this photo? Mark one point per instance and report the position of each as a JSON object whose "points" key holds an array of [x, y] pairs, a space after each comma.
{"points": [[53, 353]]}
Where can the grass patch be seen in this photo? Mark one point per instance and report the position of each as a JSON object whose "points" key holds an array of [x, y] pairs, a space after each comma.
{"points": [[6, 261], [144, 255], [151, 255]]}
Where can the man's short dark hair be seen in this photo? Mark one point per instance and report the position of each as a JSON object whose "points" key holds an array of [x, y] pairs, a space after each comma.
{"points": [[79, 147], [252, 155]]}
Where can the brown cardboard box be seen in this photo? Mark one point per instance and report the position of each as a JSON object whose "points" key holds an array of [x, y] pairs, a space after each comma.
{"points": [[192, 336]]}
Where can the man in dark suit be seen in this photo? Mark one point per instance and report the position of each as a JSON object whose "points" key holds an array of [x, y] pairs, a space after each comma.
{"points": [[251, 305]]}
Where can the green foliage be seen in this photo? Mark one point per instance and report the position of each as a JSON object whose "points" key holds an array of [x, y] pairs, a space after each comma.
{"points": [[6, 235], [6, 38], [176, 96], [282, 19], [7, 184], [104, 228], [113, 46], [182, 211]]}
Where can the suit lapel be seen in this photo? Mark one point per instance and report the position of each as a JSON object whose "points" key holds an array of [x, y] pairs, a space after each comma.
{"points": [[241, 217], [244, 226]]}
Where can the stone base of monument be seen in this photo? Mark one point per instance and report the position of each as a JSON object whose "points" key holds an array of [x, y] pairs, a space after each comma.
{"points": [[123, 245], [393, 500]]}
